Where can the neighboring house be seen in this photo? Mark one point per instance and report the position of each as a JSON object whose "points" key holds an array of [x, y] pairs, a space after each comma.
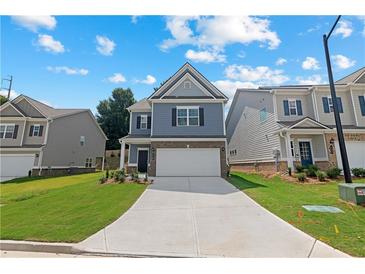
{"points": [[296, 124], [46, 140], [179, 130]]}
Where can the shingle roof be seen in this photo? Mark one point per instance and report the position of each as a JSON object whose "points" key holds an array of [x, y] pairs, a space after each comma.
{"points": [[142, 104], [352, 77]]}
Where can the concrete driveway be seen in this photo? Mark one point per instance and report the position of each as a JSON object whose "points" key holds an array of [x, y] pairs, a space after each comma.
{"points": [[202, 217]]}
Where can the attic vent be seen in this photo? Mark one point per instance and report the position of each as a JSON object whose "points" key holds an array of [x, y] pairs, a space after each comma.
{"points": [[187, 85]]}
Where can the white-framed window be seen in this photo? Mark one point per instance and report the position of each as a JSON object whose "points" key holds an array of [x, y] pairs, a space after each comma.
{"points": [[292, 107], [36, 130], [88, 162], [263, 115], [330, 103], [187, 116], [7, 131], [187, 85], [82, 140], [143, 121]]}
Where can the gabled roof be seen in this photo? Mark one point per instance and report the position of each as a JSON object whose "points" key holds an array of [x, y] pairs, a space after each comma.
{"points": [[9, 104], [140, 105], [196, 75], [351, 78], [300, 124]]}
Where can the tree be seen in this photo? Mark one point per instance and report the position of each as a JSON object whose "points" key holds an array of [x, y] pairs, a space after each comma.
{"points": [[113, 117], [3, 100]]}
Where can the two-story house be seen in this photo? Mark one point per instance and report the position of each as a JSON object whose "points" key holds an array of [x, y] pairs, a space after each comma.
{"points": [[278, 127], [47, 141], [179, 129]]}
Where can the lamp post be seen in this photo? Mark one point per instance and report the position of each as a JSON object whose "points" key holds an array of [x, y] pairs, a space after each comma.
{"points": [[341, 139]]}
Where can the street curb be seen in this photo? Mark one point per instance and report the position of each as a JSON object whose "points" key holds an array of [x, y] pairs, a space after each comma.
{"points": [[65, 248]]}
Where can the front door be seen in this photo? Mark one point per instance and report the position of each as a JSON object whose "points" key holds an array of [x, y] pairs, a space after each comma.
{"points": [[142, 160], [305, 153]]}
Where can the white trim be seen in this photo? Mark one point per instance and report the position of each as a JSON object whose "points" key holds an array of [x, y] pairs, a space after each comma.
{"points": [[15, 155], [224, 124], [39, 129], [22, 139], [3, 149], [130, 122], [354, 109], [186, 139], [53, 167], [311, 146], [129, 154], [4, 106], [310, 120], [168, 101], [260, 160], [152, 119], [296, 107], [325, 147], [6, 127], [31, 119], [47, 132], [315, 106], [357, 78], [146, 117], [148, 155], [187, 116], [275, 107], [130, 164], [291, 91]]}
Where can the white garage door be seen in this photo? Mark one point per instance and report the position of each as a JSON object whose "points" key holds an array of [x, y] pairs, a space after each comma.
{"points": [[188, 162], [355, 154], [13, 166]]}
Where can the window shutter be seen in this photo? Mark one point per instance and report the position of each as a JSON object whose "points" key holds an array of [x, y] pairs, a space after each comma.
{"points": [[138, 122], [15, 135], [31, 131], [173, 117], [201, 117], [149, 122], [326, 107], [362, 105], [286, 107], [299, 107], [40, 131], [339, 104]]}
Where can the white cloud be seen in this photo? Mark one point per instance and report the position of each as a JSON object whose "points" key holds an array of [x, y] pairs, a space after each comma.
{"points": [[218, 31], [205, 56], [344, 28], [49, 44], [149, 80], [281, 61], [68, 70], [33, 23], [362, 19], [342, 61], [105, 45], [117, 78], [315, 79], [229, 87], [310, 63], [134, 19], [261, 75], [13, 93]]}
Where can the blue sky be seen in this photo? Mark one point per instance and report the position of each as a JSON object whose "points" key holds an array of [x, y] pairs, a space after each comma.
{"points": [[76, 61]]}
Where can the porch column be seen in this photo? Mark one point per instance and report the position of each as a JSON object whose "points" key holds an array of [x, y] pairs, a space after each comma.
{"points": [[122, 154], [288, 151]]}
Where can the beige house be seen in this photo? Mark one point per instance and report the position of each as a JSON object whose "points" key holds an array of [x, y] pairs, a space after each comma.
{"points": [[274, 128], [46, 141]]}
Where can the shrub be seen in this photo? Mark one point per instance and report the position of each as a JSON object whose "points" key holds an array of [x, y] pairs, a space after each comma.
{"points": [[107, 173], [289, 171], [121, 178], [118, 173], [111, 174], [145, 179], [311, 170], [333, 172], [358, 172], [301, 177], [134, 176], [103, 180], [299, 168], [321, 175]]}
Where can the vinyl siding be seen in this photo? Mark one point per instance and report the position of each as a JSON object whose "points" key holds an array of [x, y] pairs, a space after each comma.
{"points": [[134, 129], [213, 120], [360, 118], [32, 140], [13, 142], [193, 91], [133, 150], [307, 107], [63, 145], [28, 109], [10, 112]]}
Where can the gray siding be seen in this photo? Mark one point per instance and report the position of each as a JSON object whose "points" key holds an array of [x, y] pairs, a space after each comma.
{"points": [[347, 117], [252, 139], [13, 142], [307, 107], [28, 109], [32, 140], [213, 120], [9, 112], [360, 118], [134, 129], [63, 145], [133, 150], [318, 146], [193, 91]]}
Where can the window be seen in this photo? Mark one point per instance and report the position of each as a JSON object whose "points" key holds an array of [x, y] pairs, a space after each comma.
{"points": [[292, 107], [143, 121], [82, 140], [36, 130], [330, 104], [7, 131], [187, 116], [89, 162], [292, 148], [187, 85], [263, 115]]}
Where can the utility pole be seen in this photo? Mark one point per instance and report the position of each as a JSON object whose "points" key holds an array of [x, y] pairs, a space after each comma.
{"points": [[10, 80], [341, 139]]}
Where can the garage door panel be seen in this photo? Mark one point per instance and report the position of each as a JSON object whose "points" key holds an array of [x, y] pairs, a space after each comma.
{"points": [[355, 153], [188, 162], [15, 165]]}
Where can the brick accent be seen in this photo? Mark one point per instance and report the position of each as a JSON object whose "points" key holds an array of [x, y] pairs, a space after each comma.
{"points": [[130, 169], [260, 167], [192, 144], [61, 171]]}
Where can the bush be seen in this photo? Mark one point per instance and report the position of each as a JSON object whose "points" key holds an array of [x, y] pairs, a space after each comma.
{"points": [[311, 170], [301, 177], [118, 173], [121, 178], [111, 174], [358, 172], [299, 168], [107, 173], [103, 180], [134, 176], [289, 171], [333, 172], [321, 175]]}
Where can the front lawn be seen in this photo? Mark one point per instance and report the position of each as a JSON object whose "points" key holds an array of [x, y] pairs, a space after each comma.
{"points": [[62, 209], [344, 231]]}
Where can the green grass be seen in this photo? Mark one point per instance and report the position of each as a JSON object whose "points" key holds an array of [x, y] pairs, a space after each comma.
{"points": [[286, 199], [62, 209]]}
